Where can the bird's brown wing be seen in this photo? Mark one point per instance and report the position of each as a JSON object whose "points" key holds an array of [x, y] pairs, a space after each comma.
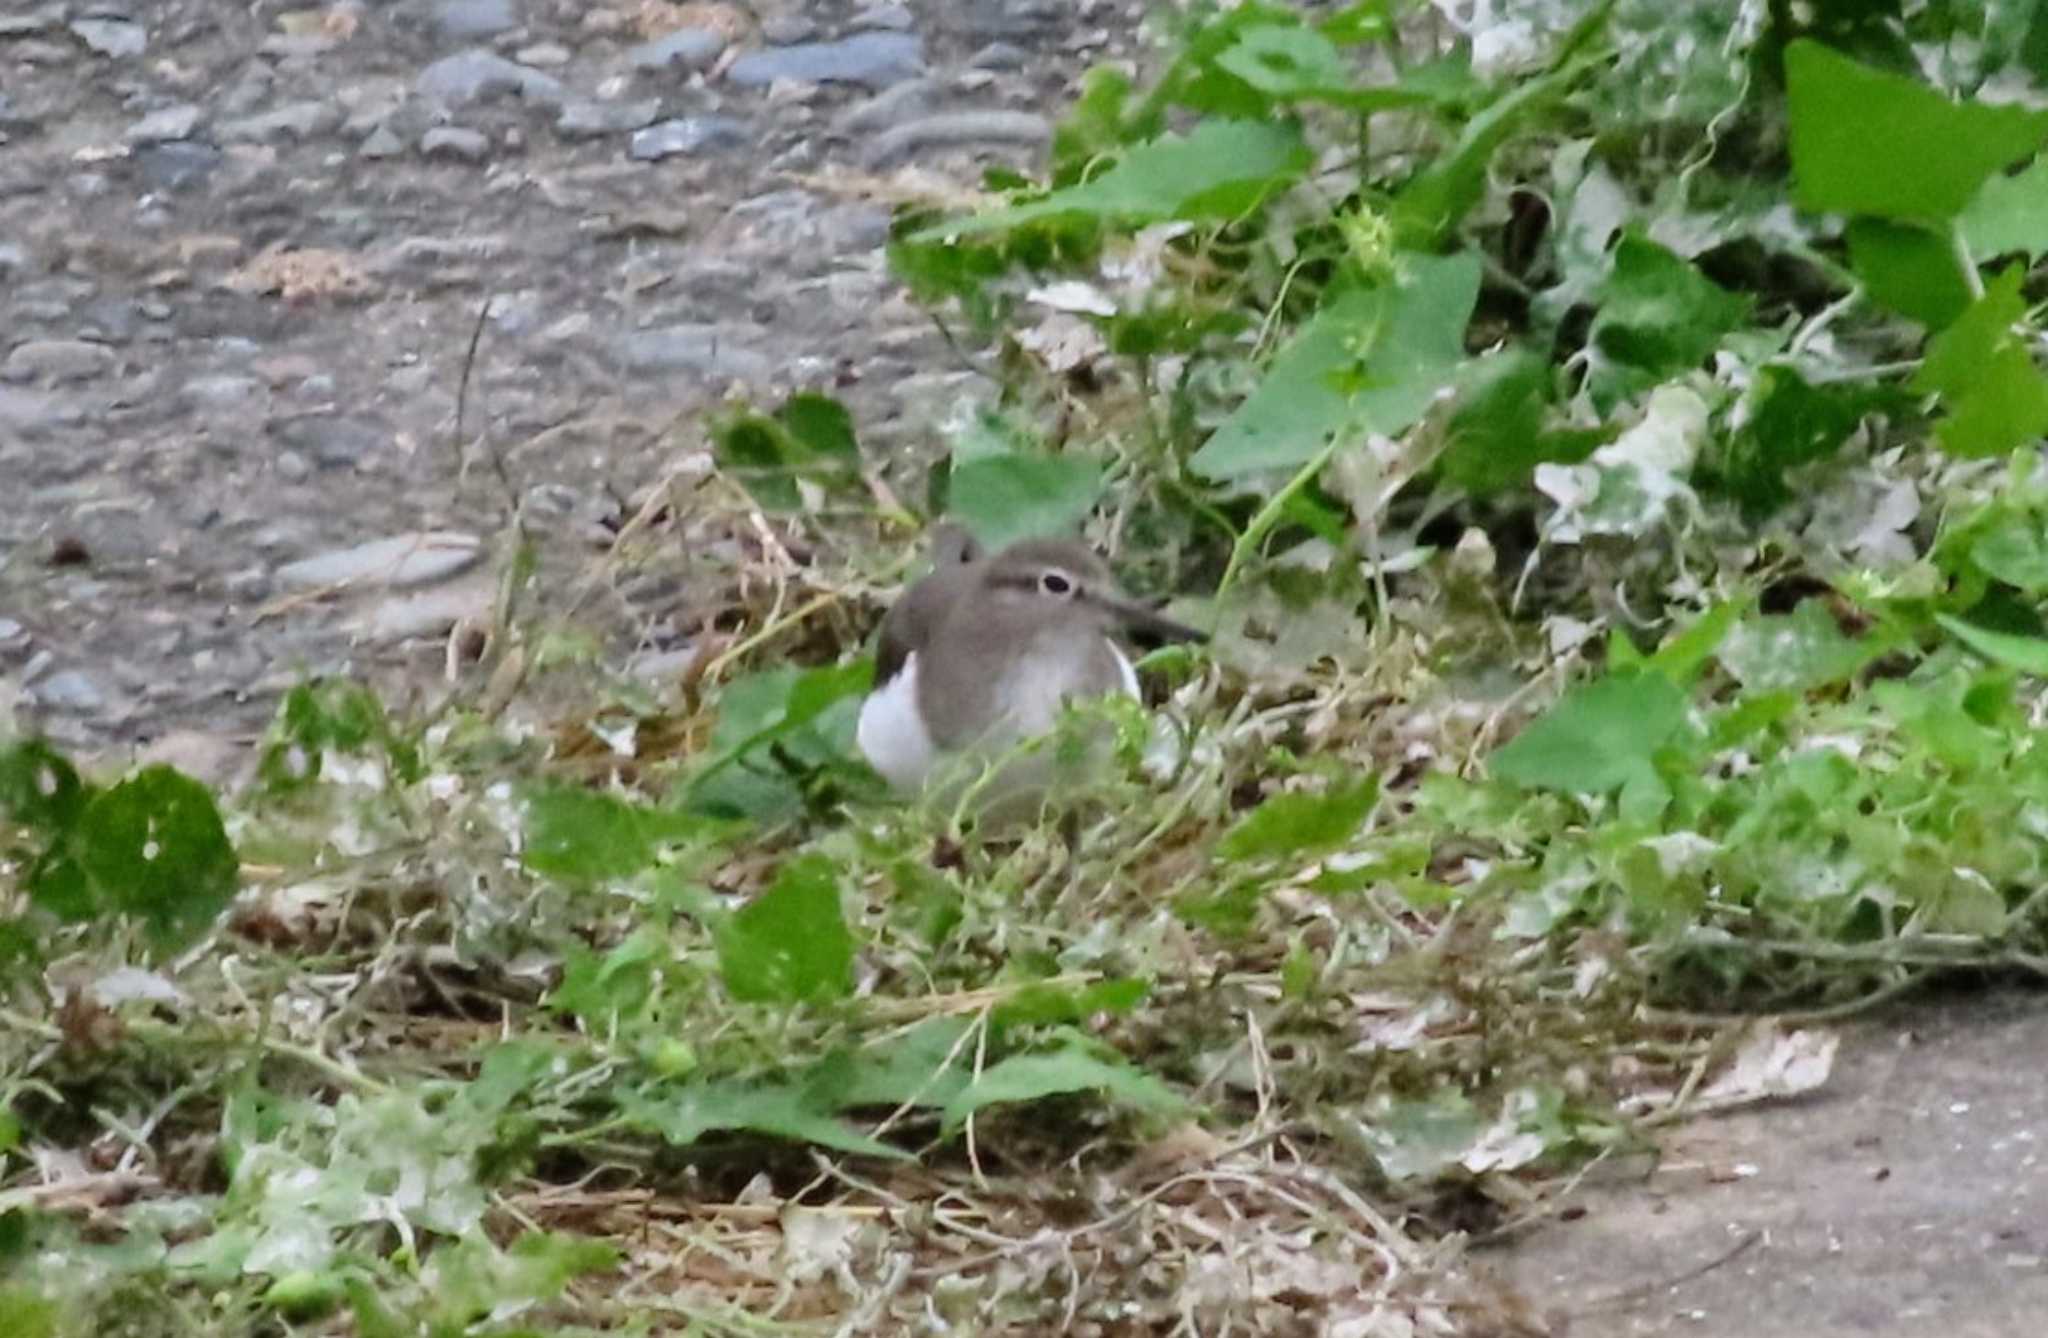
{"points": [[912, 619]]}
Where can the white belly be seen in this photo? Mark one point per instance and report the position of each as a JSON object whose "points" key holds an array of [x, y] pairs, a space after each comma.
{"points": [[892, 735], [893, 738]]}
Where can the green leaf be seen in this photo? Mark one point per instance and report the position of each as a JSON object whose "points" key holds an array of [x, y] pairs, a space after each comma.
{"points": [[587, 837], [1412, 1139], [1399, 344], [1221, 170], [1909, 269], [1437, 199], [153, 847], [2028, 654], [1792, 424], [779, 1109], [1079, 1066], [790, 944], [1003, 498], [1997, 398], [778, 729], [1682, 656], [1868, 142], [810, 439], [1040, 1005], [337, 715], [1289, 62], [1497, 436], [1658, 315], [822, 426], [24, 1314], [1793, 652], [2010, 213], [1294, 823], [40, 789], [2014, 549], [1599, 738]]}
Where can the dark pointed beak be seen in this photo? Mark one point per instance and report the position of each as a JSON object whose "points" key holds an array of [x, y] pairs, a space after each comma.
{"points": [[1136, 618]]}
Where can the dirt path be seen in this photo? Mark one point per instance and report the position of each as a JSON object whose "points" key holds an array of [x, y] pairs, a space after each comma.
{"points": [[1908, 1196]]}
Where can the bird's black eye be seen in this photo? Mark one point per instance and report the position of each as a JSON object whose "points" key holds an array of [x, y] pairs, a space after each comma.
{"points": [[1056, 583]]}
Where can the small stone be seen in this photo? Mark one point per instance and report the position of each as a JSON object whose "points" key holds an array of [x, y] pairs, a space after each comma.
{"points": [[334, 441], [71, 691], [58, 361], [427, 612], [689, 134], [166, 123], [27, 25], [997, 56], [466, 20], [588, 120], [987, 19], [383, 142], [873, 59], [787, 29], [552, 55], [906, 101], [894, 18], [13, 261], [118, 38], [176, 165], [707, 350], [953, 129], [457, 142], [222, 391], [395, 563], [299, 121], [291, 466], [688, 49], [476, 74]]}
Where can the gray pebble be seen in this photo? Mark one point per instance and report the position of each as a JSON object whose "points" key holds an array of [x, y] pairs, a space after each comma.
{"points": [[165, 123], [895, 18], [27, 25], [72, 691], [13, 260], [469, 76], [117, 38], [906, 101], [687, 48], [997, 56], [174, 166], [787, 29], [456, 142], [544, 53], [57, 360], [876, 60], [382, 142], [952, 129], [220, 391], [707, 350], [291, 466], [467, 20], [587, 120], [688, 134], [298, 121], [334, 441], [397, 562], [987, 19]]}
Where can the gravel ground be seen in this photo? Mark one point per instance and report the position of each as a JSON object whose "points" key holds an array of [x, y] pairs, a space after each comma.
{"points": [[244, 250]]}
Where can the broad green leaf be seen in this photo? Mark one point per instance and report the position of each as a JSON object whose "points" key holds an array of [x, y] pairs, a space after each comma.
{"points": [[1910, 269], [822, 425], [1291, 62], [810, 438], [1400, 345], [1298, 824], [1220, 170], [331, 714], [1042, 1005], [2010, 213], [1868, 142], [588, 837], [153, 847], [603, 987], [1659, 316], [791, 943], [1599, 738], [2015, 550], [1792, 652], [1497, 436], [2028, 654], [40, 789], [1078, 1066], [1997, 398], [25, 1314], [1685, 652], [776, 729], [927, 1066], [1792, 424], [1002, 498], [780, 1109], [1425, 211]]}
